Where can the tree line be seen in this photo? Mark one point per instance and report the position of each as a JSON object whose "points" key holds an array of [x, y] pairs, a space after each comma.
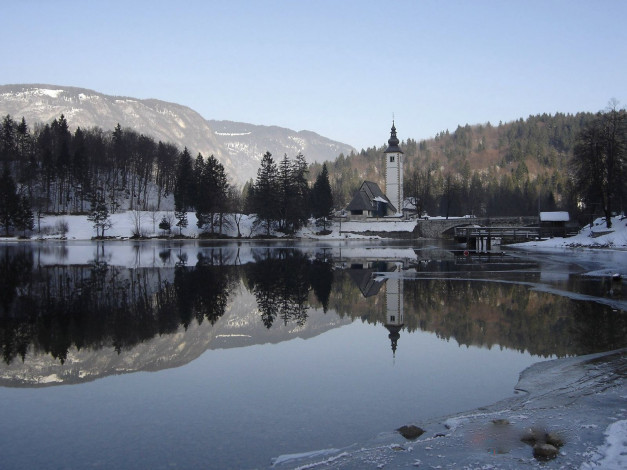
{"points": [[282, 198], [51, 170], [516, 168], [566, 162]]}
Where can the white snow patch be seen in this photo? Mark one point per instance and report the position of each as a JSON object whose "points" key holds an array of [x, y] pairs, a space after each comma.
{"points": [[50, 379], [613, 452], [595, 236], [232, 134], [313, 454], [379, 226], [48, 92], [558, 216]]}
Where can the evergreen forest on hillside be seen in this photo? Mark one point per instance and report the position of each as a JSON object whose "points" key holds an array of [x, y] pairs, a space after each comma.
{"points": [[517, 168]]}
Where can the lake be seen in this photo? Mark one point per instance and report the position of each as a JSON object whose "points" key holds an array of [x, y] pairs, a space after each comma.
{"points": [[224, 355]]}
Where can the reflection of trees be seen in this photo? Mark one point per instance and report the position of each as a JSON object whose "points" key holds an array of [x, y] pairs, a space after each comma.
{"points": [[493, 314], [281, 281], [513, 316], [54, 308], [202, 292], [57, 307]]}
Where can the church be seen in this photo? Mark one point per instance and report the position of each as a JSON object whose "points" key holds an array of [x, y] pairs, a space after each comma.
{"points": [[370, 201]]}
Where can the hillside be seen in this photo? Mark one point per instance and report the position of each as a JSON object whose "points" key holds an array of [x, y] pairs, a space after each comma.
{"points": [[521, 158], [246, 143], [167, 122]]}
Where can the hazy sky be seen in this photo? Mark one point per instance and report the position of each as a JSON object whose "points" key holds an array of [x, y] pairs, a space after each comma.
{"points": [[338, 68]]}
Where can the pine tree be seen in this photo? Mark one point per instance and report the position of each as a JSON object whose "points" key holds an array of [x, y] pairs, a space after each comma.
{"points": [[600, 161], [286, 195], [165, 224], [99, 215], [321, 197], [24, 219], [9, 200], [265, 192], [185, 188], [181, 216], [302, 196]]}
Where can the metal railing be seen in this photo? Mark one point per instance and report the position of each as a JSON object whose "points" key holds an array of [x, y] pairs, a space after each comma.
{"points": [[516, 233]]}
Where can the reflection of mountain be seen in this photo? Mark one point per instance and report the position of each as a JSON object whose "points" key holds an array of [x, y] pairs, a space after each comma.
{"points": [[239, 326], [70, 323]]}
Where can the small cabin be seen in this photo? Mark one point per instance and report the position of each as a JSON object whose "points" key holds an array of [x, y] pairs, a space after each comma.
{"points": [[554, 224], [369, 201]]}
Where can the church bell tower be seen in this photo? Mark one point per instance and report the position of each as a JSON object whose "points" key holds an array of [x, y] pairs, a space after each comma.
{"points": [[394, 172]]}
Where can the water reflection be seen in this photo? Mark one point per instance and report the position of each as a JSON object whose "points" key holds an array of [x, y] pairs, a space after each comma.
{"points": [[55, 299]]}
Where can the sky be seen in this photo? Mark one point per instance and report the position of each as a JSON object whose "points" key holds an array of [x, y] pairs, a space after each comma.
{"points": [[343, 69]]}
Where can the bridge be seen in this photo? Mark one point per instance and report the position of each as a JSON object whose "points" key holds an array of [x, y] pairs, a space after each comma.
{"points": [[482, 237], [438, 228], [435, 227]]}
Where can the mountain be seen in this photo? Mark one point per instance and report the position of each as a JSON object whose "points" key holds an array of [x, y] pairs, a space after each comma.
{"points": [[238, 146], [246, 143]]}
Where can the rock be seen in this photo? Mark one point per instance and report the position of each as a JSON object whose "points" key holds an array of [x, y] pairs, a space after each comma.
{"points": [[500, 422], [545, 451], [553, 439], [411, 432], [538, 436], [531, 436]]}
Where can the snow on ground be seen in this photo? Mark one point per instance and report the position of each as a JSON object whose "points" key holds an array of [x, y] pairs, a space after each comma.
{"points": [[597, 236], [602, 252], [125, 224], [581, 400]]}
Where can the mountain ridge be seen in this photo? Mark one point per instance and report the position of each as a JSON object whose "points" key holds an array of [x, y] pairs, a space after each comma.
{"points": [[168, 122]]}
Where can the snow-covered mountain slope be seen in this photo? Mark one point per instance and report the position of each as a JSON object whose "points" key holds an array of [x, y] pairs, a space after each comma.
{"points": [[246, 143], [169, 122]]}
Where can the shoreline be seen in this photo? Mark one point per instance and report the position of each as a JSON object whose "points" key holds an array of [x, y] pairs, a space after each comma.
{"points": [[580, 399]]}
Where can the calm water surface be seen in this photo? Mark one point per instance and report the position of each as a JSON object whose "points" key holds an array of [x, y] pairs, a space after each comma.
{"points": [[164, 355]]}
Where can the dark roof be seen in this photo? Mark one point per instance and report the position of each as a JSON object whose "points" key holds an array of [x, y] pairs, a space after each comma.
{"points": [[368, 283], [364, 199], [393, 142], [360, 202]]}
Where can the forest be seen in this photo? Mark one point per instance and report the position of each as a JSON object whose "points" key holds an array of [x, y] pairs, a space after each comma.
{"points": [[51, 170], [516, 168]]}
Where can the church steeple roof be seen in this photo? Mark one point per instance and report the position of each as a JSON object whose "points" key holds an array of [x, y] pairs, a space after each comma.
{"points": [[393, 142]]}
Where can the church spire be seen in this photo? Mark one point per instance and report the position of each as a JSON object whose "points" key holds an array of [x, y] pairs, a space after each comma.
{"points": [[393, 141]]}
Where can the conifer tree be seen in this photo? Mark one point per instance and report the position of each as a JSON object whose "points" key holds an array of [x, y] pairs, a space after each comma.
{"points": [[9, 200], [600, 161], [321, 197], [302, 196], [185, 188], [24, 219], [99, 215], [264, 194]]}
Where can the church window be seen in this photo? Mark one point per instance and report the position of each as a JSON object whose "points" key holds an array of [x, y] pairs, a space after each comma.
{"points": [[392, 159]]}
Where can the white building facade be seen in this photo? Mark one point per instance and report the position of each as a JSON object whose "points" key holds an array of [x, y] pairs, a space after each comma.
{"points": [[394, 172]]}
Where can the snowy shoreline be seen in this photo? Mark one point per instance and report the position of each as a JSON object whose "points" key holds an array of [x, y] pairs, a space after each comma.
{"points": [[580, 399]]}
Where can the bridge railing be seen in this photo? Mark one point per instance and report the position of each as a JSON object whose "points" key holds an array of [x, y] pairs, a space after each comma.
{"points": [[517, 233]]}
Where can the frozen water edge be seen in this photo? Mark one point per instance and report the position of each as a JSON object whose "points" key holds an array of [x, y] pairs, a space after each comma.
{"points": [[581, 399]]}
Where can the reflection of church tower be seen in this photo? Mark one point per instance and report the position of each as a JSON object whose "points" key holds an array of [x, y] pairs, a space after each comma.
{"points": [[394, 312], [394, 171]]}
